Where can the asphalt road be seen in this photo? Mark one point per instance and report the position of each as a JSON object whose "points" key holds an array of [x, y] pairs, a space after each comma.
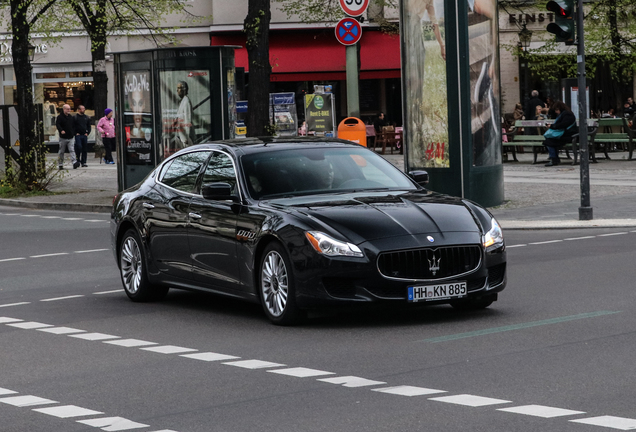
{"points": [[555, 353]]}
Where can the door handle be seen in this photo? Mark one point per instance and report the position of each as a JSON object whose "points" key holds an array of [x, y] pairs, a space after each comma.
{"points": [[148, 205], [194, 215]]}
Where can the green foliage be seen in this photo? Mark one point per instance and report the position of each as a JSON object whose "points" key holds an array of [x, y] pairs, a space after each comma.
{"points": [[312, 11]]}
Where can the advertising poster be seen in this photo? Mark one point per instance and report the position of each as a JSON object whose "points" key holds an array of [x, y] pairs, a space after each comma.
{"points": [[185, 109], [424, 69], [484, 85], [319, 114], [138, 118]]}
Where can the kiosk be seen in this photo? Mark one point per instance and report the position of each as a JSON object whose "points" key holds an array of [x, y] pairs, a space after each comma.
{"points": [[168, 99]]}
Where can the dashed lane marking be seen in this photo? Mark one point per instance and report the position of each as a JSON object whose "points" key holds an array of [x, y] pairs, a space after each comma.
{"points": [[169, 349], [55, 217], [5, 320], [61, 330], [113, 424], [301, 372], [408, 390], [351, 381], [23, 401], [90, 250], [49, 255], [107, 292], [14, 304], [469, 400], [12, 259], [546, 242], [541, 411], [93, 336], [53, 255], [130, 343], [29, 325], [67, 411], [209, 356], [515, 246], [254, 364], [62, 298], [612, 234], [579, 238], [4, 391], [619, 423]]}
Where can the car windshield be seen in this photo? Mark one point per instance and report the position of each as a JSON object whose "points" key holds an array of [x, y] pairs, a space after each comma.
{"points": [[308, 171]]}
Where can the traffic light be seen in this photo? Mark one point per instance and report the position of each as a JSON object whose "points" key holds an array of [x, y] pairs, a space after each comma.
{"points": [[563, 26]]}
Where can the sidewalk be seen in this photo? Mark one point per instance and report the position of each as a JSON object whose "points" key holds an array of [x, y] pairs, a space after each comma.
{"points": [[536, 197]]}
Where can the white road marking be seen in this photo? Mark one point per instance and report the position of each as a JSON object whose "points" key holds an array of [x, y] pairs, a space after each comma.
{"points": [[351, 381], [15, 304], [580, 238], [91, 250], [93, 336], [61, 330], [23, 401], [619, 423], [514, 246], [62, 298], [12, 259], [130, 343], [72, 219], [165, 430], [113, 423], [67, 411], [30, 215], [4, 320], [49, 255], [49, 217], [301, 372], [168, 349], [408, 390], [254, 364], [95, 220], [546, 242], [4, 391], [469, 400], [29, 325], [540, 411], [612, 234], [108, 292], [209, 356]]}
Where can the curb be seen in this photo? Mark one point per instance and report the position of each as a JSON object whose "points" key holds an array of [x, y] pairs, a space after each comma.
{"points": [[85, 208]]}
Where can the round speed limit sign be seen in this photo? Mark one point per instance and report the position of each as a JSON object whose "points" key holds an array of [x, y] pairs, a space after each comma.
{"points": [[354, 8]]}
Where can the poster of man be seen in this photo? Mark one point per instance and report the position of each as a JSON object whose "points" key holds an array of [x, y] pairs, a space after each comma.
{"points": [[185, 108], [424, 66], [484, 85], [138, 117]]}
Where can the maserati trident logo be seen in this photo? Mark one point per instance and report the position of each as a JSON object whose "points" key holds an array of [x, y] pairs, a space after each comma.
{"points": [[430, 238], [433, 265]]}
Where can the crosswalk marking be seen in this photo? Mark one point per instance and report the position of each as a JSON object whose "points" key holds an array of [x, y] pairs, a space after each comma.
{"points": [[619, 423], [29, 325], [254, 364], [130, 343], [93, 336], [23, 401], [61, 330], [406, 390], [113, 424], [67, 411], [351, 381], [301, 372], [469, 400], [4, 320], [209, 356], [168, 349], [4, 391], [540, 411]]}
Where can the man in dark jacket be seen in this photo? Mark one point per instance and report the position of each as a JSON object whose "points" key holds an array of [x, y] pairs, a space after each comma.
{"points": [[565, 122], [64, 124], [82, 126], [531, 110]]}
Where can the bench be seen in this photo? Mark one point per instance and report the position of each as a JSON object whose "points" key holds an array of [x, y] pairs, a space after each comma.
{"points": [[517, 139], [606, 136]]}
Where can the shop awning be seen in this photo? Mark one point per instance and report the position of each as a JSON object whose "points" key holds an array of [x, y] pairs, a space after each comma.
{"points": [[316, 55]]}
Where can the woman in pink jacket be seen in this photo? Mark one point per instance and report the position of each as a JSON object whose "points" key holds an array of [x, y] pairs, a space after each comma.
{"points": [[106, 127]]}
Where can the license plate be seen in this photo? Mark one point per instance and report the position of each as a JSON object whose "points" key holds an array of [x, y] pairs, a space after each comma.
{"points": [[437, 292]]}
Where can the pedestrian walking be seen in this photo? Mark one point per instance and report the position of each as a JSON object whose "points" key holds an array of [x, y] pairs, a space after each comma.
{"points": [[64, 124], [106, 128], [82, 126]]}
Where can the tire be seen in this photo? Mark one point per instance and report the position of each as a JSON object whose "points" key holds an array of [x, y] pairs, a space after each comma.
{"points": [[474, 303], [132, 262], [276, 286]]}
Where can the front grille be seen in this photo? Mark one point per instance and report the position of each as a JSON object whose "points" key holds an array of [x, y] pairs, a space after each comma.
{"points": [[496, 274], [339, 287], [401, 291], [430, 263]]}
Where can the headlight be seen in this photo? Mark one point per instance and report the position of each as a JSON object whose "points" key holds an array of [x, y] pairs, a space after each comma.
{"points": [[331, 247], [494, 236]]}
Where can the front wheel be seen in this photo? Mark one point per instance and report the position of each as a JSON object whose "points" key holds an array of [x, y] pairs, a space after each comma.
{"points": [[276, 286], [133, 272]]}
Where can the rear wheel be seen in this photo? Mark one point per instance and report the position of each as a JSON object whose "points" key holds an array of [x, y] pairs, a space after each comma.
{"points": [[276, 286], [132, 264], [474, 303]]}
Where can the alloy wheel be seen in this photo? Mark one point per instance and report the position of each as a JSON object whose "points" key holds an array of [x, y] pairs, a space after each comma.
{"points": [[274, 283], [131, 265]]}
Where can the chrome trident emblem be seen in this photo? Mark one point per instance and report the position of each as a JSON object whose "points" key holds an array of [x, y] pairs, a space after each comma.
{"points": [[433, 265]]}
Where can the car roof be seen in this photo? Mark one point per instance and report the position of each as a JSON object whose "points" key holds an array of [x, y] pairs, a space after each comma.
{"points": [[250, 145]]}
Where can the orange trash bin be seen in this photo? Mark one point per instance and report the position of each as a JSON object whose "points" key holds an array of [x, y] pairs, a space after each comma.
{"points": [[353, 129]]}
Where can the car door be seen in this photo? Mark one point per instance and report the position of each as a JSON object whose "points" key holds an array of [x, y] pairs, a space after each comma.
{"points": [[212, 229], [166, 215]]}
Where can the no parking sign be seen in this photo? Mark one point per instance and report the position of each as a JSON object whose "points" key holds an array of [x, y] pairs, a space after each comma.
{"points": [[354, 8], [348, 31]]}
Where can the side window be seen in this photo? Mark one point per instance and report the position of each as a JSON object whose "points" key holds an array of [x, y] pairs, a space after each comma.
{"points": [[183, 171], [220, 169]]}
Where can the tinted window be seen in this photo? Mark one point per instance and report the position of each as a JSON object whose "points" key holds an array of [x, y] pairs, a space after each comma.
{"points": [[220, 169], [307, 171], [183, 171]]}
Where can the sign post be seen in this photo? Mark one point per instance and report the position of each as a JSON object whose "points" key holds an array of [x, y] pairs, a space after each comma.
{"points": [[348, 33]]}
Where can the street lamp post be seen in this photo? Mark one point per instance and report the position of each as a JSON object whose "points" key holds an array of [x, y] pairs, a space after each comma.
{"points": [[525, 37]]}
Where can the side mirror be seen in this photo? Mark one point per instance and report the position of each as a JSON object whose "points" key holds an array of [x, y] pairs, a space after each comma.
{"points": [[419, 177], [217, 191]]}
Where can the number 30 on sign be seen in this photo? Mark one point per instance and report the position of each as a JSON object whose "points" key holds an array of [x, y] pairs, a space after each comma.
{"points": [[354, 8]]}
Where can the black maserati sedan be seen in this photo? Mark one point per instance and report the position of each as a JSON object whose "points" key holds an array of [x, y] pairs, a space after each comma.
{"points": [[297, 224]]}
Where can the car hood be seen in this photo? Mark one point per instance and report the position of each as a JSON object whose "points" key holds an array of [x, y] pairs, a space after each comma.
{"points": [[369, 216]]}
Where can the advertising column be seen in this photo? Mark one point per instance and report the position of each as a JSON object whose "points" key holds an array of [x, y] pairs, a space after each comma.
{"points": [[138, 118]]}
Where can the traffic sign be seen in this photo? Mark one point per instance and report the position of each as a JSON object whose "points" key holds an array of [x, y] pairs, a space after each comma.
{"points": [[354, 8], [348, 31]]}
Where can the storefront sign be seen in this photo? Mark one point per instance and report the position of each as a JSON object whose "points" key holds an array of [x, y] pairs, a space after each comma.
{"points": [[319, 113], [530, 18], [6, 51]]}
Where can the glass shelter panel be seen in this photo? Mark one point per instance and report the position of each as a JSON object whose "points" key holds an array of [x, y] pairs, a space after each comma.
{"points": [[424, 69], [140, 139]]}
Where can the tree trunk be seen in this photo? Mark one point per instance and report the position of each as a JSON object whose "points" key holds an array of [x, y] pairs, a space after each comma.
{"points": [[24, 83], [616, 47], [98, 55], [256, 27]]}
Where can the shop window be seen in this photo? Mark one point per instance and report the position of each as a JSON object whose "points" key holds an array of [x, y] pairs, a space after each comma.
{"points": [[80, 74], [54, 95]]}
